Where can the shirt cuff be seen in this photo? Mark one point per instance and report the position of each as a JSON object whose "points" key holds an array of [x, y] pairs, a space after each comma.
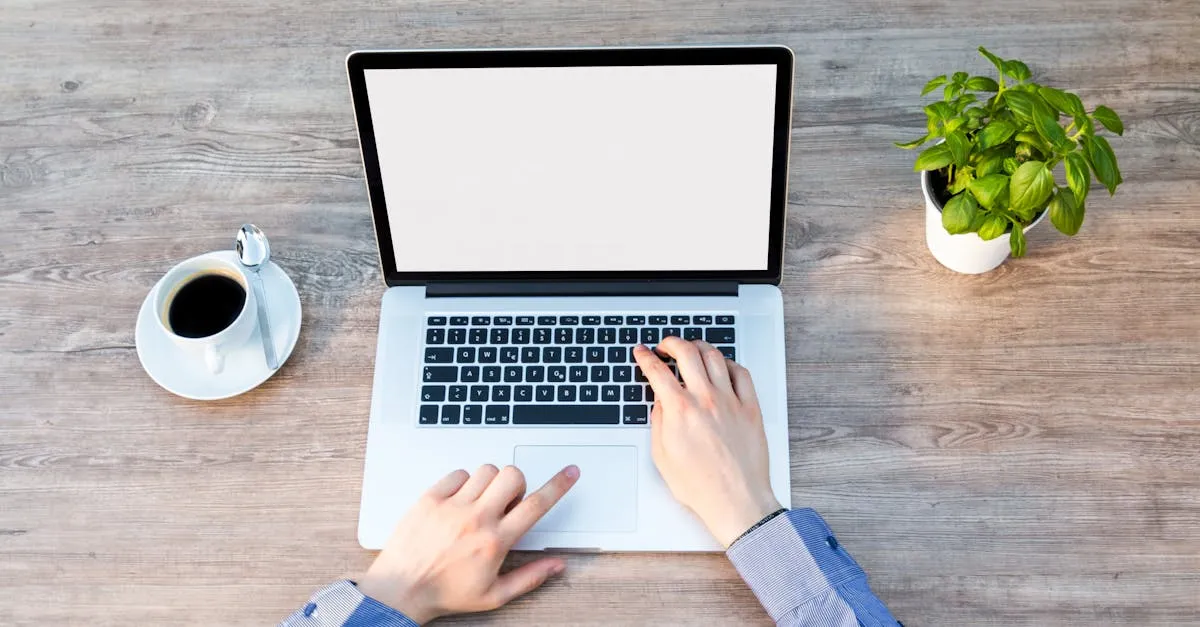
{"points": [[791, 560], [342, 605]]}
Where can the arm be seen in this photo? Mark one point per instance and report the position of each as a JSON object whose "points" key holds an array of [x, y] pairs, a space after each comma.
{"points": [[708, 442]]}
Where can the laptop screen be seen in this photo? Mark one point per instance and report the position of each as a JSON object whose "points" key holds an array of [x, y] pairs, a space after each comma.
{"points": [[602, 169]]}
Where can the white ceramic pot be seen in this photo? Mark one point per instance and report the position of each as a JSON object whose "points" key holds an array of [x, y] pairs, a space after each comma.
{"points": [[966, 253]]}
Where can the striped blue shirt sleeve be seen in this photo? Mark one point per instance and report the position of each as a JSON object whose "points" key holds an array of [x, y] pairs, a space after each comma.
{"points": [[342, 605], [802, 576]]}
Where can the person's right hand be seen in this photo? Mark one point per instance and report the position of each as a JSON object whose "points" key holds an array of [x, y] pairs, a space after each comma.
{"points": [[707, 436]]}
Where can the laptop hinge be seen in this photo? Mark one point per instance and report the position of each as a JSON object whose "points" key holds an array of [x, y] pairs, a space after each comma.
{"points": [[582, 288]]}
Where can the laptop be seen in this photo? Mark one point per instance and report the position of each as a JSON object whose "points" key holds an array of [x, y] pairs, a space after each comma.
{"points": [[538, 213]]}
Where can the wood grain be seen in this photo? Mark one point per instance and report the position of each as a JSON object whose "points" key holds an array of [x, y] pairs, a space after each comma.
{"points": [[1017, 448]]}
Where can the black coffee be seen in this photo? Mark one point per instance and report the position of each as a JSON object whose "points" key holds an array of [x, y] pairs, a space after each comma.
{"points": [[206, 305]]}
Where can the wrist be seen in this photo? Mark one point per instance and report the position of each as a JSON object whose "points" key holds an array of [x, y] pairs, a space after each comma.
{"points": [[741, 518], [397, 596]]}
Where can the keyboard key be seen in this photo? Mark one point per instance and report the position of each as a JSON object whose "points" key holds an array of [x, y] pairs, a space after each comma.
{"points": [[569, 320], [428, 415], [547, 320], [693, 333], [608, 335], [600, 374], [724, 319], [595, 355], [440, 374], [479, 393], [496, 415], [635, 319], [610, 393], [523, 393], [502, 393], [541, 335], [585, 336], [435, 336], [458, 393], [525, 321], [458, 320], [457, 336], [719, 335], [681, 320], [545, 393], [622, 373], [491, 374], [432, 393], [478, 336], [499, 336], [566, 393], [566, 414], [436, 321], [579, 374], [659, 320], [634, 414], [552, 354], [472, 414], [728, 352], [618, 354], [649, 394], [614, 320], [633, 393], [439, 355], [670, 332], [556, 374], [520, 336], [573, 355], [563, 335], [481, 320], [469, 374], [510, 355], [531, 355], [502, 320], [487, 355], [701, 319], [589, 393], [465, 355], [629, 335], [512, 374], [591, 320], [649, 335], [638, 375]]}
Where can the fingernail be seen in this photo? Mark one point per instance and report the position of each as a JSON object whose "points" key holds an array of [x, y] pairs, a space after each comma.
{"points": [[572, 471], [640, 347], [558, 568]]}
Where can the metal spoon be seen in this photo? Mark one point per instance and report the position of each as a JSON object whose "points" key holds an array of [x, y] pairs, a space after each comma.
{"points": [[255, 252]]}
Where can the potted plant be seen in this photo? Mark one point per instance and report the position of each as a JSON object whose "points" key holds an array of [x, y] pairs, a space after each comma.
{"points": [[990, 175]]}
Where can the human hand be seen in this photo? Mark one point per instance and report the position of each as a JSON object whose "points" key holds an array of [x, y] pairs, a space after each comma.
{"points": [[707, 436], [444, 556]]}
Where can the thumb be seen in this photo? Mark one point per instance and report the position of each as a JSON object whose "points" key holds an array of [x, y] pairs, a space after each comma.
{"points": [[525, 579]]}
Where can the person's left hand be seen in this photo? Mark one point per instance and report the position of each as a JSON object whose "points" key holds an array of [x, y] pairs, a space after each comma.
{"points": [[444, 557]]}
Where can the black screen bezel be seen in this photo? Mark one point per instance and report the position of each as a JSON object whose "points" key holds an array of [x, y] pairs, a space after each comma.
{"points": [[780, 56]]}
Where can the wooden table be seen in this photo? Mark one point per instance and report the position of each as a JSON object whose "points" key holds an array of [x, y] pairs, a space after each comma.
{"points": [[1021, 447]]}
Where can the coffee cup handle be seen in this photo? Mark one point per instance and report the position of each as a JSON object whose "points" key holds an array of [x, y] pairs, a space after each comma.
{"points": [[214, 360]]}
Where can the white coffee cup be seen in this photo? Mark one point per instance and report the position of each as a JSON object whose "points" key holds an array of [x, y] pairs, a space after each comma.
{"points": [[213, 347]]}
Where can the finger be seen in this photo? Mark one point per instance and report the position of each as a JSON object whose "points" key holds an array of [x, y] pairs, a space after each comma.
{"points": [[448, 485], [477, 483], [687, 357], [656, 426], [524, 579], [714, 364], [531, 509], [743, 384], [508, 486], [661, 379]]}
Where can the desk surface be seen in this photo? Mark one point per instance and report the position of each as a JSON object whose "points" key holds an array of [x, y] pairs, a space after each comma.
{"points": [[1021, 447]]}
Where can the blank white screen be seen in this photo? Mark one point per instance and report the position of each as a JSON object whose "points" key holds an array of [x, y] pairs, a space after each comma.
{"points": [[576, 168]]}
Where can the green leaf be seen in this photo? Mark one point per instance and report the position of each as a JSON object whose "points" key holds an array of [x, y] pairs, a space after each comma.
{"points": [[933, 158], [1016, 69], [1016, 241], [962, 178], [1104, 163], [959, 147], [1020, 103], [990, 164], [1079, 179], [995, 133], [1030, 186], [951, 91], [934, 84], [977, 223], [1010, 165], [912, 144], [1035, 140], [1061, 100], [996, 61], [960, 77], [993, 227], [953, 124], [982, 83], [1046, 121], [1076, 106], [963, 101], [958, 214], [939, 111], [1109, 119], [989, 189], [1066, 213], [975, 112]]}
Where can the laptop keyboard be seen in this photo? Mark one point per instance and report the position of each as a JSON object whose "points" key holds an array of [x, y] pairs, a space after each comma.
{"points": [[549, 369]]}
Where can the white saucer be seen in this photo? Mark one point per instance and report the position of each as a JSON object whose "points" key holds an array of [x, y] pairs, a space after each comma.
{"points": [[185, 374]]}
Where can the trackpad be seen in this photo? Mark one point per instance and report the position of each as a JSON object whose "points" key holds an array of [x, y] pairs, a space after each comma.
{"points": [[604, 498]]}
